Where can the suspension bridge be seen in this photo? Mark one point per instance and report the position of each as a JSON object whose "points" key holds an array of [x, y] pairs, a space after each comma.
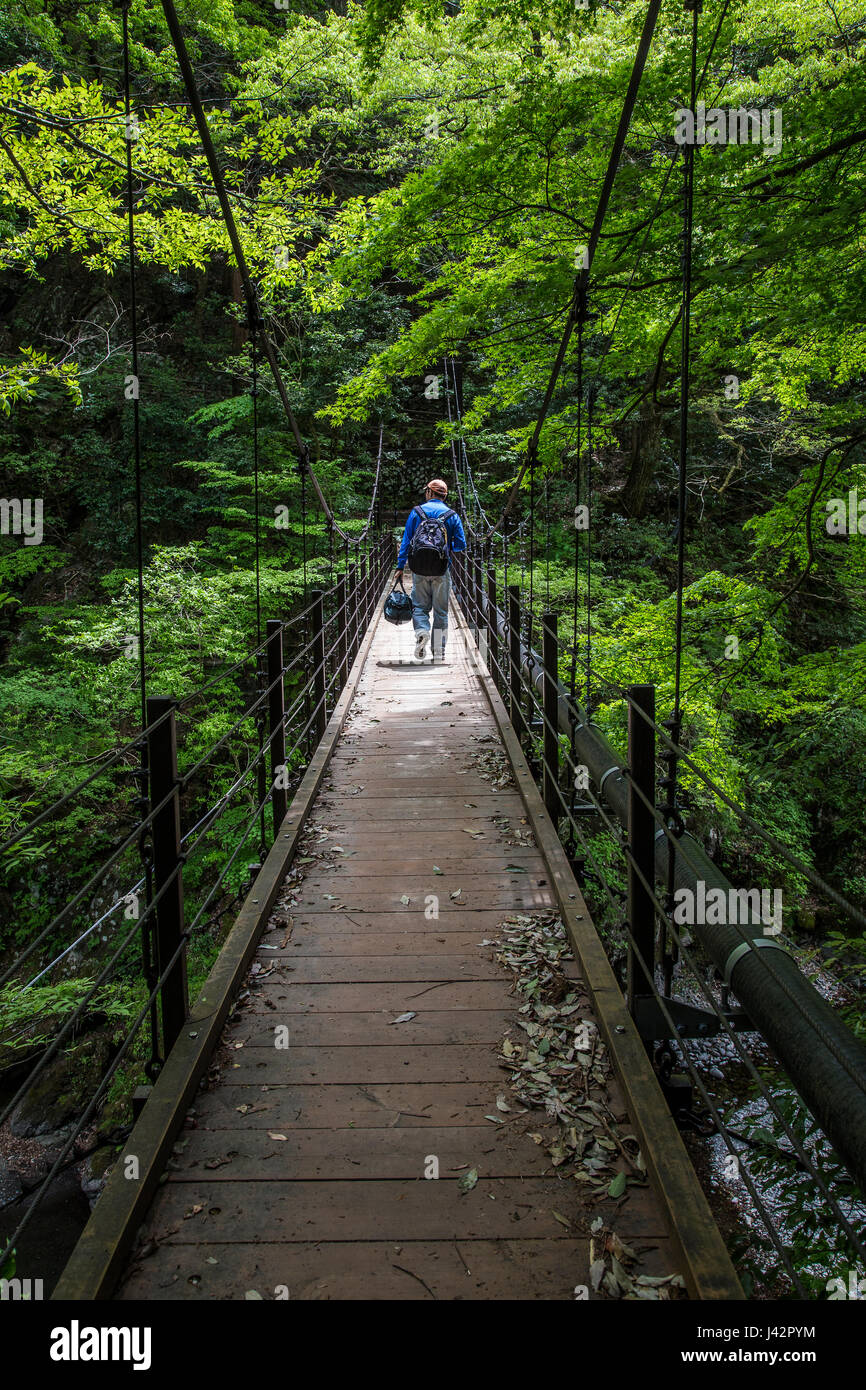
{"points": [[412, 1071]]}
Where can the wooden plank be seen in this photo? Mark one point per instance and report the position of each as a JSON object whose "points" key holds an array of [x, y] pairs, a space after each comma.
{"points": [[386, 1209], [482, 920], [346, 1065], [361, 942], [443, 1026], [390, 997], [523, 894], [410, 1270], [320, 1155], [486, 859], [370, 969], [285, 1107]]}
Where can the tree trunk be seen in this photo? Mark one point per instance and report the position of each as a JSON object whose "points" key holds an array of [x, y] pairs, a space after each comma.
{"points": [[643, 457]]}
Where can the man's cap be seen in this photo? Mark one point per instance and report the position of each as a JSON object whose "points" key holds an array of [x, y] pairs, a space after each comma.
{"points": [[436, 485]]}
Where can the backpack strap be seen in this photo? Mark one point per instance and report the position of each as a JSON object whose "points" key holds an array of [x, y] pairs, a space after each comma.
{"points": [[421, 512]]}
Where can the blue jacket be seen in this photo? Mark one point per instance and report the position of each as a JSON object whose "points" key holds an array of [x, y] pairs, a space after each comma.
{"points": [[453, 526]]}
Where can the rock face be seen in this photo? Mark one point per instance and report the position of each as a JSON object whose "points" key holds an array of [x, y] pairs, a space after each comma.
{"points": [[62, 1091], [10, 1184], [94, 1173]]}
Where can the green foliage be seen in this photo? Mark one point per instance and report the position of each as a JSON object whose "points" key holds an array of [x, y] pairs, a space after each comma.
{"points": [[409, 182]]}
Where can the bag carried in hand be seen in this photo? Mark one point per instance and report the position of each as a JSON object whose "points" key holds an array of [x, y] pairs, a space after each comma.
{"points": [[398, 606], [429, 546]]}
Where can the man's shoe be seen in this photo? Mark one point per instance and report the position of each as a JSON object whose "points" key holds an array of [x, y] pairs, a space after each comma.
{"points": [[421, 645]]}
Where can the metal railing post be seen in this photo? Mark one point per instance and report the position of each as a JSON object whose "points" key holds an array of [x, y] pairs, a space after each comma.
{"points": [[167, 870], [641, 838], [477, 595], [320, 718], [362, 595], [352, 615], [550, 705], [514, 710], [493, 630], [276, 717], [342, 631]]}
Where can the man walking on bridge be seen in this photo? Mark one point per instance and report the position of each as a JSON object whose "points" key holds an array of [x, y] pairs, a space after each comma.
{"points": [[432, 532]]}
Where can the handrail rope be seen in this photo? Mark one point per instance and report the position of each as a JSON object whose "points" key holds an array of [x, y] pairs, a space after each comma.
{"points": [[134, 744], [97, 1096], [720, 1124], [616, 832], [745, 817], [625, 849], [77, 1012], [95, 878], [256, 813], [681, 847], [211, 815], [715, 1006]]}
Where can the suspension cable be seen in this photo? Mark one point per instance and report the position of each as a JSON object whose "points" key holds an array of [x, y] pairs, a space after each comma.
{"points": [[243, 269]]}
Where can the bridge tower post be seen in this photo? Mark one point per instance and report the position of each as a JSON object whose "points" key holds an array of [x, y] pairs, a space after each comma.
{"points": [[167, 867]]}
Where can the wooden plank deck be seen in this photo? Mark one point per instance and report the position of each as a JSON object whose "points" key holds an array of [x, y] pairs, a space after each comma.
{"points": [[301, 1172]]}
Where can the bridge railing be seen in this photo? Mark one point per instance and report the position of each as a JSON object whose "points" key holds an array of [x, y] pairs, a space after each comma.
{"points": [[687, 977], [189, 878]]}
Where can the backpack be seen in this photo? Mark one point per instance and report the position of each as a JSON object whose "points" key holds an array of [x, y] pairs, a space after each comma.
{"points": [[429, 546]]}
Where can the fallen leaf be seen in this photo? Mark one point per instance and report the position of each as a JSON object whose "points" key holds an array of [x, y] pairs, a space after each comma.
{"points": [[617, 1186], [251, 1296], [561, 1219], [596, 1274], [456, 893], [404, 1018], [468, 1181], [405, 900], [502, 1104], [436, 869], [281, 1137]]}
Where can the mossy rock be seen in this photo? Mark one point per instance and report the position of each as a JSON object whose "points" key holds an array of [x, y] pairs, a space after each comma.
{"points": [[64, 1089]]}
